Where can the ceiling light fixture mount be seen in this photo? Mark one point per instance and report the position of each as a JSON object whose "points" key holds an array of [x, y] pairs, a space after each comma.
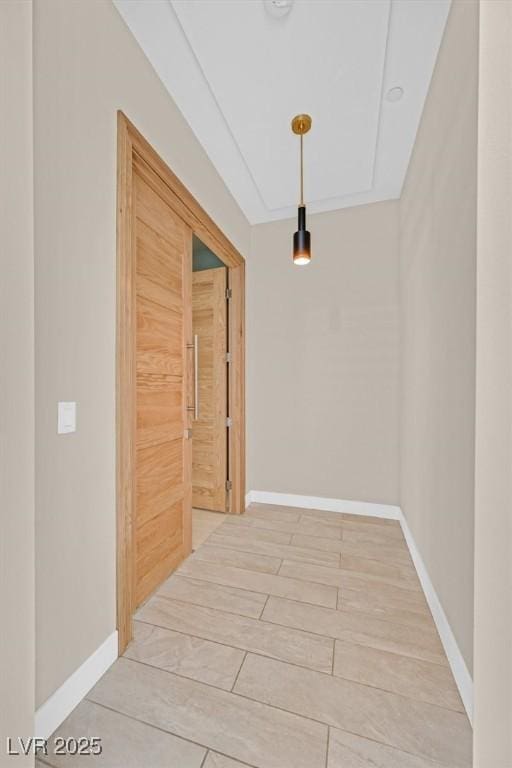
{"points": [[278, 8], [395, 93], [301, 124]]}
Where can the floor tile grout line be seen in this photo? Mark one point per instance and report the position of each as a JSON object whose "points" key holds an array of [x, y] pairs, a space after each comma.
{"points": [[222, 690], [365, 577], [418, 658], [251, 527], [302, 602], [333, 522], [328, 743], [190, 577], [339, 677], [264, 554], [264, 606], [43, 761], [201, 605], [221, 531], [291, 712], [259, 654], [172, 733], [249, 765], [232, 689], [232, 565], [369, 614], [180, 674], [366, 556], [188, 634], [222, 612], [235, 647]]}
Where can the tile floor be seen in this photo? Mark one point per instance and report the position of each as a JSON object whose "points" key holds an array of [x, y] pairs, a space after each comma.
{"points": [[289, 639], [203, 524]]}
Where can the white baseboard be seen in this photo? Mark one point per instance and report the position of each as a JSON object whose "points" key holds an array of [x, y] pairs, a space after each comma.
{"points": [[458, 666], [61, 703], [368, 508]]}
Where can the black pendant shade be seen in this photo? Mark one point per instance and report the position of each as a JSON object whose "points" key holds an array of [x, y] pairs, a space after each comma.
{"points": [[301, 240]]}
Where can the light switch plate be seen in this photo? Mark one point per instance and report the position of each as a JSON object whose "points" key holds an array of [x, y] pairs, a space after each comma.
{"points": [[66, 418]]}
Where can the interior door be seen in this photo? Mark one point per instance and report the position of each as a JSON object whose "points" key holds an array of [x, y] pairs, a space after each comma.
{"points": [[209, 325], [163, 241]]}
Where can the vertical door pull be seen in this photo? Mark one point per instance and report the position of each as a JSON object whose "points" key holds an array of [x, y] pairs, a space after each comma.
{"points": [[195, 347]]}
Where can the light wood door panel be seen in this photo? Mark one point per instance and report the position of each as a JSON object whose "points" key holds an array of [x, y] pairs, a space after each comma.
{"points": [[162, 461], [209, 451]]}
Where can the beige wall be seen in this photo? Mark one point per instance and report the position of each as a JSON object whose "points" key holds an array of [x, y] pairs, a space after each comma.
{"points": [[88, 65], [323, 357], [493, 492], [438, 262], [16, 378]]}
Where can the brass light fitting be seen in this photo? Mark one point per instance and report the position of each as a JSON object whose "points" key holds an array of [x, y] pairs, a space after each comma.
{"points": [[301, 124]]}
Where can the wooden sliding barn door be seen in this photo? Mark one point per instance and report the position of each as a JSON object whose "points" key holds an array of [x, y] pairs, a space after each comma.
{"points": [[162, 531], [209, 324]]}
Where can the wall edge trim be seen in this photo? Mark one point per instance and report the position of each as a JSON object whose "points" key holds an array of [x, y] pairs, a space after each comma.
{"points": [[456, 661], [62, 702]]}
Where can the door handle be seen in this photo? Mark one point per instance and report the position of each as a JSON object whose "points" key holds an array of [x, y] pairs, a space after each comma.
{"points": [[195, 347]]}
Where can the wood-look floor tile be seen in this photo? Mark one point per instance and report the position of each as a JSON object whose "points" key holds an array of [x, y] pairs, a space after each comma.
{"points": [[386, 604], [310, 526], [422, 729], [349, 751], [371, 534], [281, 586], [236, 558], [395, 552], [245, 730], [370, 567], [416, 642], [188, 656], [214, 760], [341, 577], [282, 551], [270, 512], [210, 595], [251, 532], [418, 679], [296, 646], [341, 518], [384, 532], [126, 743]]}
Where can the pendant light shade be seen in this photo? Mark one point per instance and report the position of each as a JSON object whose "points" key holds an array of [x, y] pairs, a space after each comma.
{"points": [[302, 238]]}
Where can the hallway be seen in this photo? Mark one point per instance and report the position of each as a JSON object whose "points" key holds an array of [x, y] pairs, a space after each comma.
{"points": [[290, 639]]}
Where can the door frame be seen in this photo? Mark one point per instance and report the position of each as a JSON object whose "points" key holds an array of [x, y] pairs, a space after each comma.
{"points": [[131, 145]]}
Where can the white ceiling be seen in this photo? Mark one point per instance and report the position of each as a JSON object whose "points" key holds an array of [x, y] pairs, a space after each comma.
{"points": [[239, 75]]}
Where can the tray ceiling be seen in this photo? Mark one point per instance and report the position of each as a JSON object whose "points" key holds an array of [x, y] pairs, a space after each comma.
{"points": [[239, 74]]}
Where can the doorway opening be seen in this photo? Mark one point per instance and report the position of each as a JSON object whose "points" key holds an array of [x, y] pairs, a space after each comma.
{"points": [[170, 390], [211, 485]]}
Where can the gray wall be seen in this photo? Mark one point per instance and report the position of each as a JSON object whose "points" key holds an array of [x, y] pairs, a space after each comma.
{"points": [[493, 490], [438, 263], [88, 65], [323, 357], [16, 378]]}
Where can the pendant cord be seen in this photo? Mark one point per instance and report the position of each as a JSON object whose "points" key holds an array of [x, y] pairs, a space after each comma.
{"points": [[301, 172]]}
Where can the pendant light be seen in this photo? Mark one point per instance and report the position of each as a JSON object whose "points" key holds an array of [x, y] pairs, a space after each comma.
{"points": [[302, 238]]}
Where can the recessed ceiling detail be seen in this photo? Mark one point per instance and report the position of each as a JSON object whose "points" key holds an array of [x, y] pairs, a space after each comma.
{"points": [[238, 74]]}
